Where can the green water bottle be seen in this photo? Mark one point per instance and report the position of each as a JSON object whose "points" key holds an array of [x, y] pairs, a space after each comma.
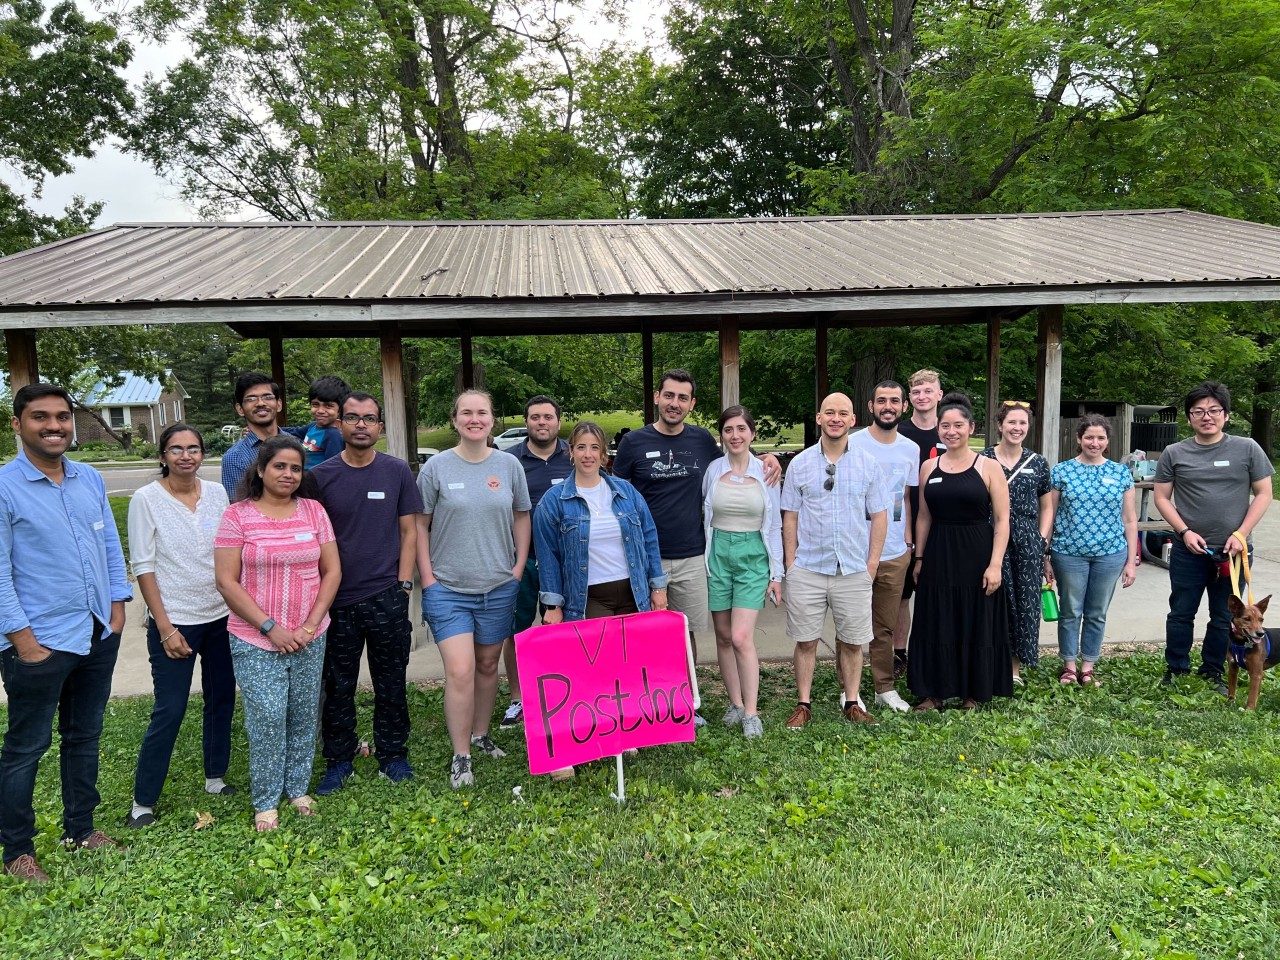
{"points": [[1048, 603]]}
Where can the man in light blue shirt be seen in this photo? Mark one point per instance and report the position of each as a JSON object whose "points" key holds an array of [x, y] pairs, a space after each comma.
{"points": [[834, 519], [62, 594], [259, 400]]}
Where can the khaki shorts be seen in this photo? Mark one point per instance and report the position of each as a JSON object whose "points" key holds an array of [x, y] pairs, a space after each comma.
{"points": [[809, 596], [687, 589]]}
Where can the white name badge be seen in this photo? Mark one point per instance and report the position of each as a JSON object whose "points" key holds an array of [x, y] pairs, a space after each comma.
{"points": [[737, 479], [377, 495], [1109, 481], [457, 486], [99, 525], [654, 454], [1222, 463], [304, 537], [935, 479], [557, 480]]}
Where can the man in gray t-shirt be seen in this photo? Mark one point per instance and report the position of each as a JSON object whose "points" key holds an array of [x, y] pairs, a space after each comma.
{"points": [[1203, 489]]}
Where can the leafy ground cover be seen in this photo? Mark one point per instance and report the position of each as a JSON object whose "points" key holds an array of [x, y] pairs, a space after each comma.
{"points": [[1132, 821]]}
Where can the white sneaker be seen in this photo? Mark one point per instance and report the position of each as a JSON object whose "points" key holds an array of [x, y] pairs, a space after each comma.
{"points": [[733, 716], [893, 700]]}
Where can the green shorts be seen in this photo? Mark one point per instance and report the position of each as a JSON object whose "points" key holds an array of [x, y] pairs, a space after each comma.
{"points": [[738, 571]]}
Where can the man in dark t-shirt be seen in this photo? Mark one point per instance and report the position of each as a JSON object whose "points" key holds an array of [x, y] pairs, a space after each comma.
{"points": [[373, 503]]}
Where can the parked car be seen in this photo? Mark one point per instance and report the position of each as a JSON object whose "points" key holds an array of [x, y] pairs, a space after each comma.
{"points": [[426, 453], [509, 438]]}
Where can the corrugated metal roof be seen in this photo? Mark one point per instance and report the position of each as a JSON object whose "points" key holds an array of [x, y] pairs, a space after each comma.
{"points": [[409, 261], [135, 391]]}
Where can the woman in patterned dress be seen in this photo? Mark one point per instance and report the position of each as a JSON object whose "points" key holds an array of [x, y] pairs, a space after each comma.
{"points": [[1030, 525], [1095, 540]]}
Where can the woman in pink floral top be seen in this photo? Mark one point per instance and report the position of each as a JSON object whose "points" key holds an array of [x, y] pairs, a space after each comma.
{"points": [[277, 567]]}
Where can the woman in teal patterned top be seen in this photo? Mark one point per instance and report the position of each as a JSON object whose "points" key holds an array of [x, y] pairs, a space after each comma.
{"points": [[1095, 541]]}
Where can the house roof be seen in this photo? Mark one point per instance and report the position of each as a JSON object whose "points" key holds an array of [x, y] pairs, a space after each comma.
{"points": [[134, 392], [422, 270]]}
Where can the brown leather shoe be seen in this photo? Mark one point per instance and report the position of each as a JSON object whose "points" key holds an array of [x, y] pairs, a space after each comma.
{"points": [[799, 717], [26, 868], [96, 841], [855, 714]]}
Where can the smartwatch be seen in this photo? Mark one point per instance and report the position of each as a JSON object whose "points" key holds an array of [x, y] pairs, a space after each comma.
{"points": [[267, 626], [406, 586]]}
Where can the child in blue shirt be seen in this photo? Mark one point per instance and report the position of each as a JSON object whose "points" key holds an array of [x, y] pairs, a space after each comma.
{"points": [[321, 438]]}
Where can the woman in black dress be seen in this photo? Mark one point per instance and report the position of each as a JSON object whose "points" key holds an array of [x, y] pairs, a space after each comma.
{"points": [[1030, 526], [960, 637]]}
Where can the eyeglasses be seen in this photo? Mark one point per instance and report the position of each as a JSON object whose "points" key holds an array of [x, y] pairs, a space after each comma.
{"points": [[257, 398], [830, 483], [1204, 413], [369, 419], [191, 451], [1016, 404]]}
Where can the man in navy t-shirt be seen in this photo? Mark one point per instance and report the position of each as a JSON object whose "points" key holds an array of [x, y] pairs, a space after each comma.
{"points": [[373, 503]]}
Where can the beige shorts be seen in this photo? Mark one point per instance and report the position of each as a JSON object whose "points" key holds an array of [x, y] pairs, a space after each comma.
{"points": [[810, 595], [687, 590]]}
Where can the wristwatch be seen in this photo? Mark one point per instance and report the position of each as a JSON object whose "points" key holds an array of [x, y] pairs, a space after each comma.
{"points": [[406, 586], [267, 626]]}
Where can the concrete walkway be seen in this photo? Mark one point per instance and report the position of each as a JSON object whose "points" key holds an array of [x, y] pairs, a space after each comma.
{"points": [[1136, 616]]}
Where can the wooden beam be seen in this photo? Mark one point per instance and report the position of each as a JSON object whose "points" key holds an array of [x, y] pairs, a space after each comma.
{"points": [[821, 375], [276, 342], [393, 407], [993, 375], [646, 374], [23, 365], [1049, 380], [730, 357], [468, 361]]}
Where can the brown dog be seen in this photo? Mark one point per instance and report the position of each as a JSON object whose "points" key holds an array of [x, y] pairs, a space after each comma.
{"points": [[1252, 646]]}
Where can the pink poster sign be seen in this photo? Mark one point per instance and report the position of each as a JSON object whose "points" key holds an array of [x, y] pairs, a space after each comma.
{"points": [[594, 688]]}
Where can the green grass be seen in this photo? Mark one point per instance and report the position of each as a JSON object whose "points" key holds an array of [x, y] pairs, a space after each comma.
{"points": [[120, 509], [1131, 821]]}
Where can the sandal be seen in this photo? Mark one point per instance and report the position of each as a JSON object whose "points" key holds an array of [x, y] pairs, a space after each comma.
{"points": [[304, 805], [1069, 675], [265, 820], [969, 705], [926, 705], [1086, 677]]}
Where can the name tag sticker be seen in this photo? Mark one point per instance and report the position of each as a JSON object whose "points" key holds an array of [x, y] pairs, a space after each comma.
{"points": [[557, 480], [304, 537], [1109, 481], [737, 479], [1222, 463], [654, 454], [377, 495], [935, 479], [457, 486], [99, 525]]}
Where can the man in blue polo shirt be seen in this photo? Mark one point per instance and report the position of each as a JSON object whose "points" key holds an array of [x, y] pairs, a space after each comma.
{"points": [[62, 594], [545, 458]]}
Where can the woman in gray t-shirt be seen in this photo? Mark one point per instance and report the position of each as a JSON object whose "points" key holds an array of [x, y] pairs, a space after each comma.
{"points": [[473, 540]]}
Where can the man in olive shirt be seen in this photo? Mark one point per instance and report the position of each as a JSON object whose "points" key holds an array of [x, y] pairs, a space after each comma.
{"points": [[1203, 487]]}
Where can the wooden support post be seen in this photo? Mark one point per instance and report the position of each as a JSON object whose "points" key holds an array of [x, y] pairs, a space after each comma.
{"points": [[993, 374], [23, 367], [646, 374], [730, 354], [1049, 380], [276, 342], [468, 361], [393, 407], [821, 377]]}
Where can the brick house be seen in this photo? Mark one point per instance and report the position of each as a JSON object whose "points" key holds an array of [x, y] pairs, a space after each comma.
{"points": [[141, 405]]}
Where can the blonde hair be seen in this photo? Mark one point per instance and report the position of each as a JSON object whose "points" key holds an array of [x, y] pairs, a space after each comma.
{"points": [[925, 376], [473, 392]]}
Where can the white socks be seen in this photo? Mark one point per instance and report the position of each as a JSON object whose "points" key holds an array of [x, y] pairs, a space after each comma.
{"points": [[139, 810], [213, 785]]}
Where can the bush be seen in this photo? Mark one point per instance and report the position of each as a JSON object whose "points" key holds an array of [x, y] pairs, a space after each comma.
{"points": [[146, 450]]}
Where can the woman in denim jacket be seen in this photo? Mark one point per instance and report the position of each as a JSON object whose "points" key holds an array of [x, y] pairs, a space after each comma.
{"points": [[596, 542]]}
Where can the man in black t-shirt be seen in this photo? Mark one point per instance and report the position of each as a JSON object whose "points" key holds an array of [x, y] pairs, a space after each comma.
{"points": [[922, 428]]}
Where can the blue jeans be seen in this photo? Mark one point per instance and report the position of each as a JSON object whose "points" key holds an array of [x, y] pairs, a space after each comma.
{"points": [[76, 687], [1085, 588], [172, 681], [488, 617], [1190, 576]]}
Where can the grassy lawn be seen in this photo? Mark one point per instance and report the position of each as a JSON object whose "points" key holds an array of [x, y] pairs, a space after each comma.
{"points": [[1131, 821], [120, 509]]}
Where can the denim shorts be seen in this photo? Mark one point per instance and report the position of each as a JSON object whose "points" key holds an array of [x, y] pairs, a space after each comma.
{"points": [[486, 616]]}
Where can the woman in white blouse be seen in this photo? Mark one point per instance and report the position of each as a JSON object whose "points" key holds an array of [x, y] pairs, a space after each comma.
{"points": [[172, 523]]}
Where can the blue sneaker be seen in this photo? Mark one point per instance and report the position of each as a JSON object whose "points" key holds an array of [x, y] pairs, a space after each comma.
{"points": [[398, 771], [334, 777]]}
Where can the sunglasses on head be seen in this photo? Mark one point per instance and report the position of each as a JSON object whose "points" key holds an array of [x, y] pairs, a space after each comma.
{"points": [[1016, 404]]}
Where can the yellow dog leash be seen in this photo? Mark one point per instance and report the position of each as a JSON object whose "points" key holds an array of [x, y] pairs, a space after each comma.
{"points": [[1240, 570]]}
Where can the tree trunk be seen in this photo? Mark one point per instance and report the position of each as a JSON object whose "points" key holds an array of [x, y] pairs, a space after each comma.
{"points": [[125, 438]]}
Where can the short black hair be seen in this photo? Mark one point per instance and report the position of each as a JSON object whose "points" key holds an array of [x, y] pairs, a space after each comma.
{"points": [[34, 391], [329, 389], [679, 375], [889, 385], [167, 435], [540, 398], [1209, 390], [359, 396], [251, 482], [247, 381]]}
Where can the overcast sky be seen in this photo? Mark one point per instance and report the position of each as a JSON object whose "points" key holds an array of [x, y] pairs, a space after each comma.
{"points": [[131, 192]]}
